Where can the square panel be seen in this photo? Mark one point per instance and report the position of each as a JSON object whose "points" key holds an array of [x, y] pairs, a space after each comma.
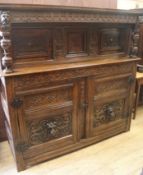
{"points": [[110, 40], [29, 43], [76, 42]]}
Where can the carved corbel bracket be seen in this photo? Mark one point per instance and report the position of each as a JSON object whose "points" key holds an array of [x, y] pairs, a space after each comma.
{"points": [[5, 41]]}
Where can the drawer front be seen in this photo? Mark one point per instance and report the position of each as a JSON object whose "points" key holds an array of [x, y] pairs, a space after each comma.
{"points": [[48, 118]]}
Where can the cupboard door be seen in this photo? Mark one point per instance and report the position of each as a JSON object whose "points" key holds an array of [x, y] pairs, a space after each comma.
{"points": [[48, 118], [109, 105]]}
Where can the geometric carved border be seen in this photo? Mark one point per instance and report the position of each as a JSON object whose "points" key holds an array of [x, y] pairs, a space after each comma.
{"points": [[50, 16]]}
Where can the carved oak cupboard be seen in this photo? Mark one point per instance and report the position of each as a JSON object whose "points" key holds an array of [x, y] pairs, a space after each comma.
{"points": [[67, 78]]}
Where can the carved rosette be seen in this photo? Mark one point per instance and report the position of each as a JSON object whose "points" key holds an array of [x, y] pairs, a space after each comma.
{"points": [[5, 41], [135, 41]]}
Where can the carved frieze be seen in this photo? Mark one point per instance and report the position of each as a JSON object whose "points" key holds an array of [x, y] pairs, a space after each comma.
{"points": [[36, 80], [67, 16], [49, 128], [107, 113]]}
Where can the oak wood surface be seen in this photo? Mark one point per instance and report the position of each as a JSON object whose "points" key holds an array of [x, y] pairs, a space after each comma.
{"points": [[100, 158], [65, 84], [2, 127]]}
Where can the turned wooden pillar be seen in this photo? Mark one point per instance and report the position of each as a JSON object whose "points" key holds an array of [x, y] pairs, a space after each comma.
{"points": [[5, 42]]}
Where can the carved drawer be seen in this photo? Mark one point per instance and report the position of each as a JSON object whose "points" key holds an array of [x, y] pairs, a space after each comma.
{"points": [[48, 118]]}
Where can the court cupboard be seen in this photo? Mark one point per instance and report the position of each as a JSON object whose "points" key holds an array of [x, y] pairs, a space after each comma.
{"points": [[67, 77]]}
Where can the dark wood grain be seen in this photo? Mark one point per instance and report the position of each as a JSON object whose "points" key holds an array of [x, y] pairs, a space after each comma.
{"points": [[2, 126], [71, 82]]}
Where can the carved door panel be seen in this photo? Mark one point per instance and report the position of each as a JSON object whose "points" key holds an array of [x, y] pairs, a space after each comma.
{"points": [[110, 108], [48, 118]]}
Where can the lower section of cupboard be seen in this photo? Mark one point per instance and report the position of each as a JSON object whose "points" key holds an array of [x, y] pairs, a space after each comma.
{"points": [[53, 113], [119, 127]]}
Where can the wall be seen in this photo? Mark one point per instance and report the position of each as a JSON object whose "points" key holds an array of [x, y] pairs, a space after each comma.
{"points": [[129, 4], [82, 3]]}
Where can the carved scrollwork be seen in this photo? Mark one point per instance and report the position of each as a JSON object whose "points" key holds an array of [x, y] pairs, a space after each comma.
{"points": [[5, 42]]}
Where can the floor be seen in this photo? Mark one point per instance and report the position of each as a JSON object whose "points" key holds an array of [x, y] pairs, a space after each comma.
{"points": [[120, 155]]}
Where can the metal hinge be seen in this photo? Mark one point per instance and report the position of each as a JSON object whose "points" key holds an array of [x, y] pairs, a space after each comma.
{"points": [[131, 79], [21, 147], [17, 102]]}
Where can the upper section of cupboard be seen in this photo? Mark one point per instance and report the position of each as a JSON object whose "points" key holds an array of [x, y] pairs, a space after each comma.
{"points": [[49, 34]]}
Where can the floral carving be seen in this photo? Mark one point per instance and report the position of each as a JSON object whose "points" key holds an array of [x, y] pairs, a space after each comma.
{"points": [[50, 128], [108, 112]]}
